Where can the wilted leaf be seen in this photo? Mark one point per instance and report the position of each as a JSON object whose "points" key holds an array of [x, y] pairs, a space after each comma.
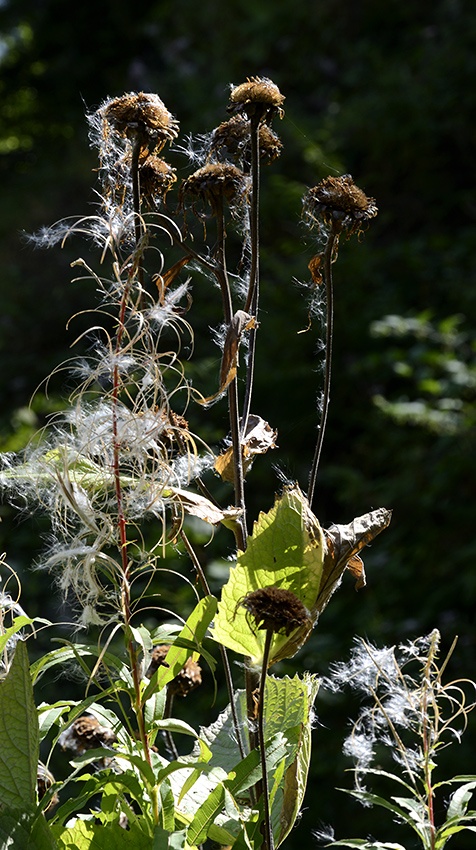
{"points": [[164, 280], [343, 544], [199, 506], [240, 323], [258, 438]]}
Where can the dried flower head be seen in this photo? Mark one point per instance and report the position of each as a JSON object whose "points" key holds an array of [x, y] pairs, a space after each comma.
{"points": [[213, 182], [339, 203], [44, 781], [156, 178], [275, 609], [86, 733], [189, 677], [259, 96], [141, 114], [232, 138]]}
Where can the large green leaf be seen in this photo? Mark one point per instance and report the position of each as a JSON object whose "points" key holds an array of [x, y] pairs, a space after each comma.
{"points": [[87, 835], [19, 734], [25, 828], [285, 550]]}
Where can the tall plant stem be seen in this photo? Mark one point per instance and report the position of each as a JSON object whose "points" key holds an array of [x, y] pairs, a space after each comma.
{"points": [[331, 244], [233, 404], [252, 300], [125, 578], [268, 843], [138, 226], [226, 664]]}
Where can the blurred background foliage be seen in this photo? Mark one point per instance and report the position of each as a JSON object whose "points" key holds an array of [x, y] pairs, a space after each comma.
{"points": [[384, 91]]}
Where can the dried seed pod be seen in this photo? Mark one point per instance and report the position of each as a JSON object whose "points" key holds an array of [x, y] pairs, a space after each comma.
{"points": [[232, 138], [86, 733], [189, 677], [44, 781], [339, 203], [215, 181], [275, 609], [259, 97], [156, 178], [143, 115]]}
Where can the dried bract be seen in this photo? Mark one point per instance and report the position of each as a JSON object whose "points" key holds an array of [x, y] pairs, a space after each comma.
{"points": [[44, 781], [188, 678], [276, 609], [259, 96], [339, 203]]}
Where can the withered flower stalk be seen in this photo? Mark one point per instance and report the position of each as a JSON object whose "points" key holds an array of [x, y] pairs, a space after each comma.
{"points": [[335, 204], [277, 611]]}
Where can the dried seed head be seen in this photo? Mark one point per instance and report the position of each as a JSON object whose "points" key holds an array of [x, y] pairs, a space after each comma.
{"points": [[189, 677], [156, 178], [257, 97], [141, 114], [86, 733], [214, 181], [232, 138], [339, 203], [275, 609], [44, 781]]}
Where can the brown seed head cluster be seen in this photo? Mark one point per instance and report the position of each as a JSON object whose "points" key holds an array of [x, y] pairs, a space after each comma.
{"points": [[142, 114], [86, 733], [259, 96], [339, 203], [275, 609], [232, 138], [215, 181], [189, 677], [156, 178]]}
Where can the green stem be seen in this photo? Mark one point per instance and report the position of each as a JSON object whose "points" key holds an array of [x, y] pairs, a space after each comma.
{"points": [[327, 272]]}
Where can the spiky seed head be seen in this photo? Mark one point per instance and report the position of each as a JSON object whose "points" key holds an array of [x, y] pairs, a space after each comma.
{"points": [[86, 733], [141, 114], [339, 203], [186, 680], [275, 609], [156, 178], [259, 96], [232, 138], [214, 181]]}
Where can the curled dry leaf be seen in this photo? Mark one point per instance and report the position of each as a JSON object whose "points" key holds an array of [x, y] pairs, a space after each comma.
{"points": [[240, 323], [257, 439], [164, 280], [343, 542], [197, 505]]}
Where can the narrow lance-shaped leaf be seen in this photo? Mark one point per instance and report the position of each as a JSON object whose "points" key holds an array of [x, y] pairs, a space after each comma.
{"points": [[19, 734]]}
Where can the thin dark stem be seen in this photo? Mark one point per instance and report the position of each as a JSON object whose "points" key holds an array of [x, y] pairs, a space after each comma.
{"points": [[233, 404], [252, 300], [136, 148], [268, 843], [226, 664], [327, 272]]}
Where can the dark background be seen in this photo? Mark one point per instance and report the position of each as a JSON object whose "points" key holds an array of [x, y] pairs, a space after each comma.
{"points": [[385, 92]]}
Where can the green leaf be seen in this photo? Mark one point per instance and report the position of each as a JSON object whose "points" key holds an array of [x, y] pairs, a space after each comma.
{"points": [[19, 734], [86, 835], [285, 550], [19, 623], [460, 799], [25, 829]]}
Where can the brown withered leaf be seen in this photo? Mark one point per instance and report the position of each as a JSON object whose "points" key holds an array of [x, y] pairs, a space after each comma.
{"points": [[197, 505], [164, 280], [240, 323], [343, 542], [258, 438]]}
